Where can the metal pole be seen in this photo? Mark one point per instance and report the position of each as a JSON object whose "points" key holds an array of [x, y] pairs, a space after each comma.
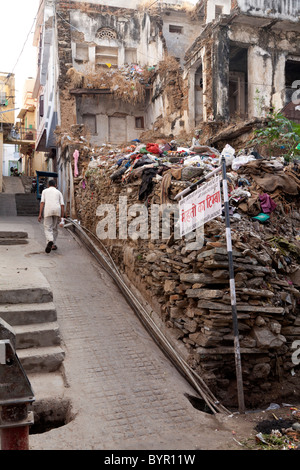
{"points": [[14, 437], [238, 364]]}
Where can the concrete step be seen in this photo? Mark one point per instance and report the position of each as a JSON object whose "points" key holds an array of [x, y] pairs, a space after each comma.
{"points": [[37, 335], [46, 359], [19, 286], [27, 204], [9, 234], [13, 238], [25, 314], [47, 385], [7, 205], [25, 295], [12, 184], [13, 241]]}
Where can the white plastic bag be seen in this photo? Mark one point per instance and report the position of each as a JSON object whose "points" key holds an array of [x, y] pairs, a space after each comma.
{"points": [[240, 161], [227, 152]]}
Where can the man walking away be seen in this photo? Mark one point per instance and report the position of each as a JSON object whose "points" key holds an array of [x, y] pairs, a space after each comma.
{"points": [[52, 203]]}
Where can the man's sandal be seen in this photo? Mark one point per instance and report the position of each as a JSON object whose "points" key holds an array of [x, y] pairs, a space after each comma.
{"points": [[49, 247]]}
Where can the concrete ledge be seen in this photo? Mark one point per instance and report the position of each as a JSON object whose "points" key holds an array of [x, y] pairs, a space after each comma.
{"points": [[28, 285], [47, 359], [37, 335], [9, 234], [25, 314]]}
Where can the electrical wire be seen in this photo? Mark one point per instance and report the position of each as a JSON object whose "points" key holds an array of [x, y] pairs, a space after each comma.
{"points": [[72, 26], [23, 47]]}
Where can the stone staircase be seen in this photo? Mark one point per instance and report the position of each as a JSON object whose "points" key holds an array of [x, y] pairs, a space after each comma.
{"points": [[26, 304], [13, 238], [17, 198], [27, 204]]}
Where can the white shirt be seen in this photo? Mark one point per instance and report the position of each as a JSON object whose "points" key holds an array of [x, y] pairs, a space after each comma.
{"points": [[53, 200]]}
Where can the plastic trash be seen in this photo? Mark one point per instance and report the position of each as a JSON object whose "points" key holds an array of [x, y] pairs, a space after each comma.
{"points": [[261, 217], [227, 152], [240, 161]]}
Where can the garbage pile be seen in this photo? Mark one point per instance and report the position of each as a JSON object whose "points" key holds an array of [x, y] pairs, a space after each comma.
{"points": [[279, 432], [186, 280]]}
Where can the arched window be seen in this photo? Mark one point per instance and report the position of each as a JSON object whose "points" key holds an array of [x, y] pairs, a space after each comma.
{"points": [[106, 33], [107, 50]]}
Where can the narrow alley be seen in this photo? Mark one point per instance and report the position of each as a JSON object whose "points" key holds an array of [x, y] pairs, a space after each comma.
{"points": [[119, 389], [165, 318]]}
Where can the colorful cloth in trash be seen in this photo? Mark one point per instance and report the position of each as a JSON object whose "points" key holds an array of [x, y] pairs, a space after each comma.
{"points": [[267, 204]]}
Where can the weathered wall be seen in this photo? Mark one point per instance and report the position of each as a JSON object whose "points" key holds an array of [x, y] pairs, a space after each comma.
{"points": [[134, 33], [107, 110], [212, 8], [281, 9], [268, 49], [187, 286], [178, 41]]}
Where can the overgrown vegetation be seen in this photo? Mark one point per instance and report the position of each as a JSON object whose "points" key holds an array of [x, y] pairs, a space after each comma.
{"points": [[279, 136]]}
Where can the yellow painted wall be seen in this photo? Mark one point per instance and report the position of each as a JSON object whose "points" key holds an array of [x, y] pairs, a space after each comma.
{"points": [[7, 86]]}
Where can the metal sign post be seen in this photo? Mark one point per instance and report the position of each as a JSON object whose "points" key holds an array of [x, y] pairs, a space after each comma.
{"points": [[237, 352], [231, 273]]}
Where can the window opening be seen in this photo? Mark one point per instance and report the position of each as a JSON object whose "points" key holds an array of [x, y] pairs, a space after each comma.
{"points": [[218, 10], [175, 29], [41, 105], [238, 81], [292, 78], [130, 55], [139, 122], [3, 100]]}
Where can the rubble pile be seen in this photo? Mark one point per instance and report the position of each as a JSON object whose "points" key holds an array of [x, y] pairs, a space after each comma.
{"points": [[186, 280], [128, 83]]}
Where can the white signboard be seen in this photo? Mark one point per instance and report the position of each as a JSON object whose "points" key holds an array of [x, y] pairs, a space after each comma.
{"points": [[201, 206]]}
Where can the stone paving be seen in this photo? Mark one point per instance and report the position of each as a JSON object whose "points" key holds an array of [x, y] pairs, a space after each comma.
{"points": [[125, 393]]}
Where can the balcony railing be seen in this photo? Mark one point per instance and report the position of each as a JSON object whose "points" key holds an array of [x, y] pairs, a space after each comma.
{"points": [[24, 133]]}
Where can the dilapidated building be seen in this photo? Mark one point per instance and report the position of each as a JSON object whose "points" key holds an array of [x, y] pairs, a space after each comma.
{"points": [[113, 67], [111, 73], [245, 60], [118, 69]]}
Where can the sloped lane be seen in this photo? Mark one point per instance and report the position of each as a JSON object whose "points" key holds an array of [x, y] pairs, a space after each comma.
{"points": [[125, 394]]}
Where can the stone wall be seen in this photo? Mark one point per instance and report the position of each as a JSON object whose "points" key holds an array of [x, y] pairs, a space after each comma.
{"points": [[186, 283]]}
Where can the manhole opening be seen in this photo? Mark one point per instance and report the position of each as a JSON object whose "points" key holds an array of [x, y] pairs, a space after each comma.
{"points": [[49, 416], [198, 403]]}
